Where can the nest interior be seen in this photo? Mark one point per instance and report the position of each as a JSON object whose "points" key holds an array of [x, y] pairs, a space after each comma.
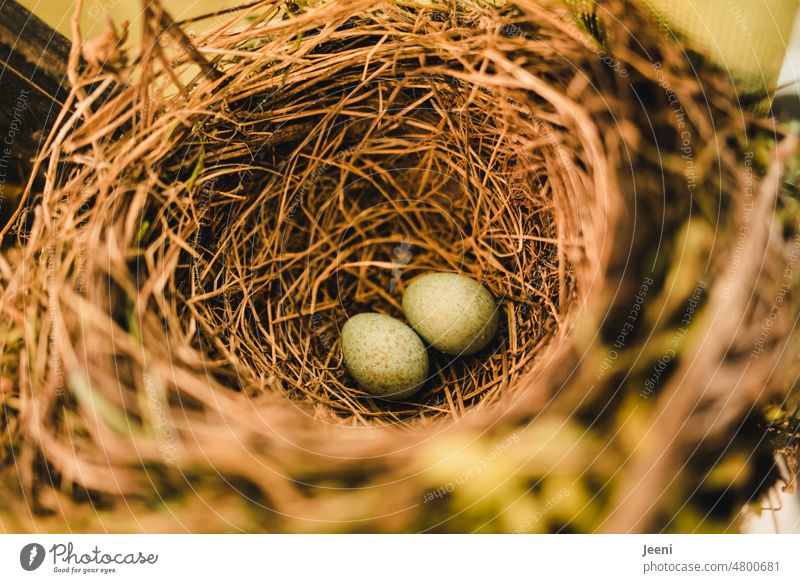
{"points": [[390, 173], [215, 210]]}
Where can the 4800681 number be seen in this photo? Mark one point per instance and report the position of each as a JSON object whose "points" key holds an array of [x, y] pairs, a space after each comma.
{"points": [[755, 566]]}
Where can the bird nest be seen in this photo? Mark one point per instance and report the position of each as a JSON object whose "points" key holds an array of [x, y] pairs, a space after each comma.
{"points": [[215, 210]]}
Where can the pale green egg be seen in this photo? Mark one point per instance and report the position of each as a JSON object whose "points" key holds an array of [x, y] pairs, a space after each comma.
{"points": [[453, 313], [384, 356]]}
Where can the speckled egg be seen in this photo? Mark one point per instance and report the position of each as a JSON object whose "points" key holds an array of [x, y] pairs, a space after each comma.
{"points": [[453, 313], [384, 356]]}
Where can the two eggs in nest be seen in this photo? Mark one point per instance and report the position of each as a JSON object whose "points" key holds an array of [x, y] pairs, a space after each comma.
{"points": [[451, 312]]}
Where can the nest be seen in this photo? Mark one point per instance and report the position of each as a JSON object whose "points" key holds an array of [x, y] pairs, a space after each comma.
{"points": [[213, 213]]}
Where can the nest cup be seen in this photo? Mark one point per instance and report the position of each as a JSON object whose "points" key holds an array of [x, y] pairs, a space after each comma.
{"points": [[329, 181], [228, 200], [386, 176]]}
